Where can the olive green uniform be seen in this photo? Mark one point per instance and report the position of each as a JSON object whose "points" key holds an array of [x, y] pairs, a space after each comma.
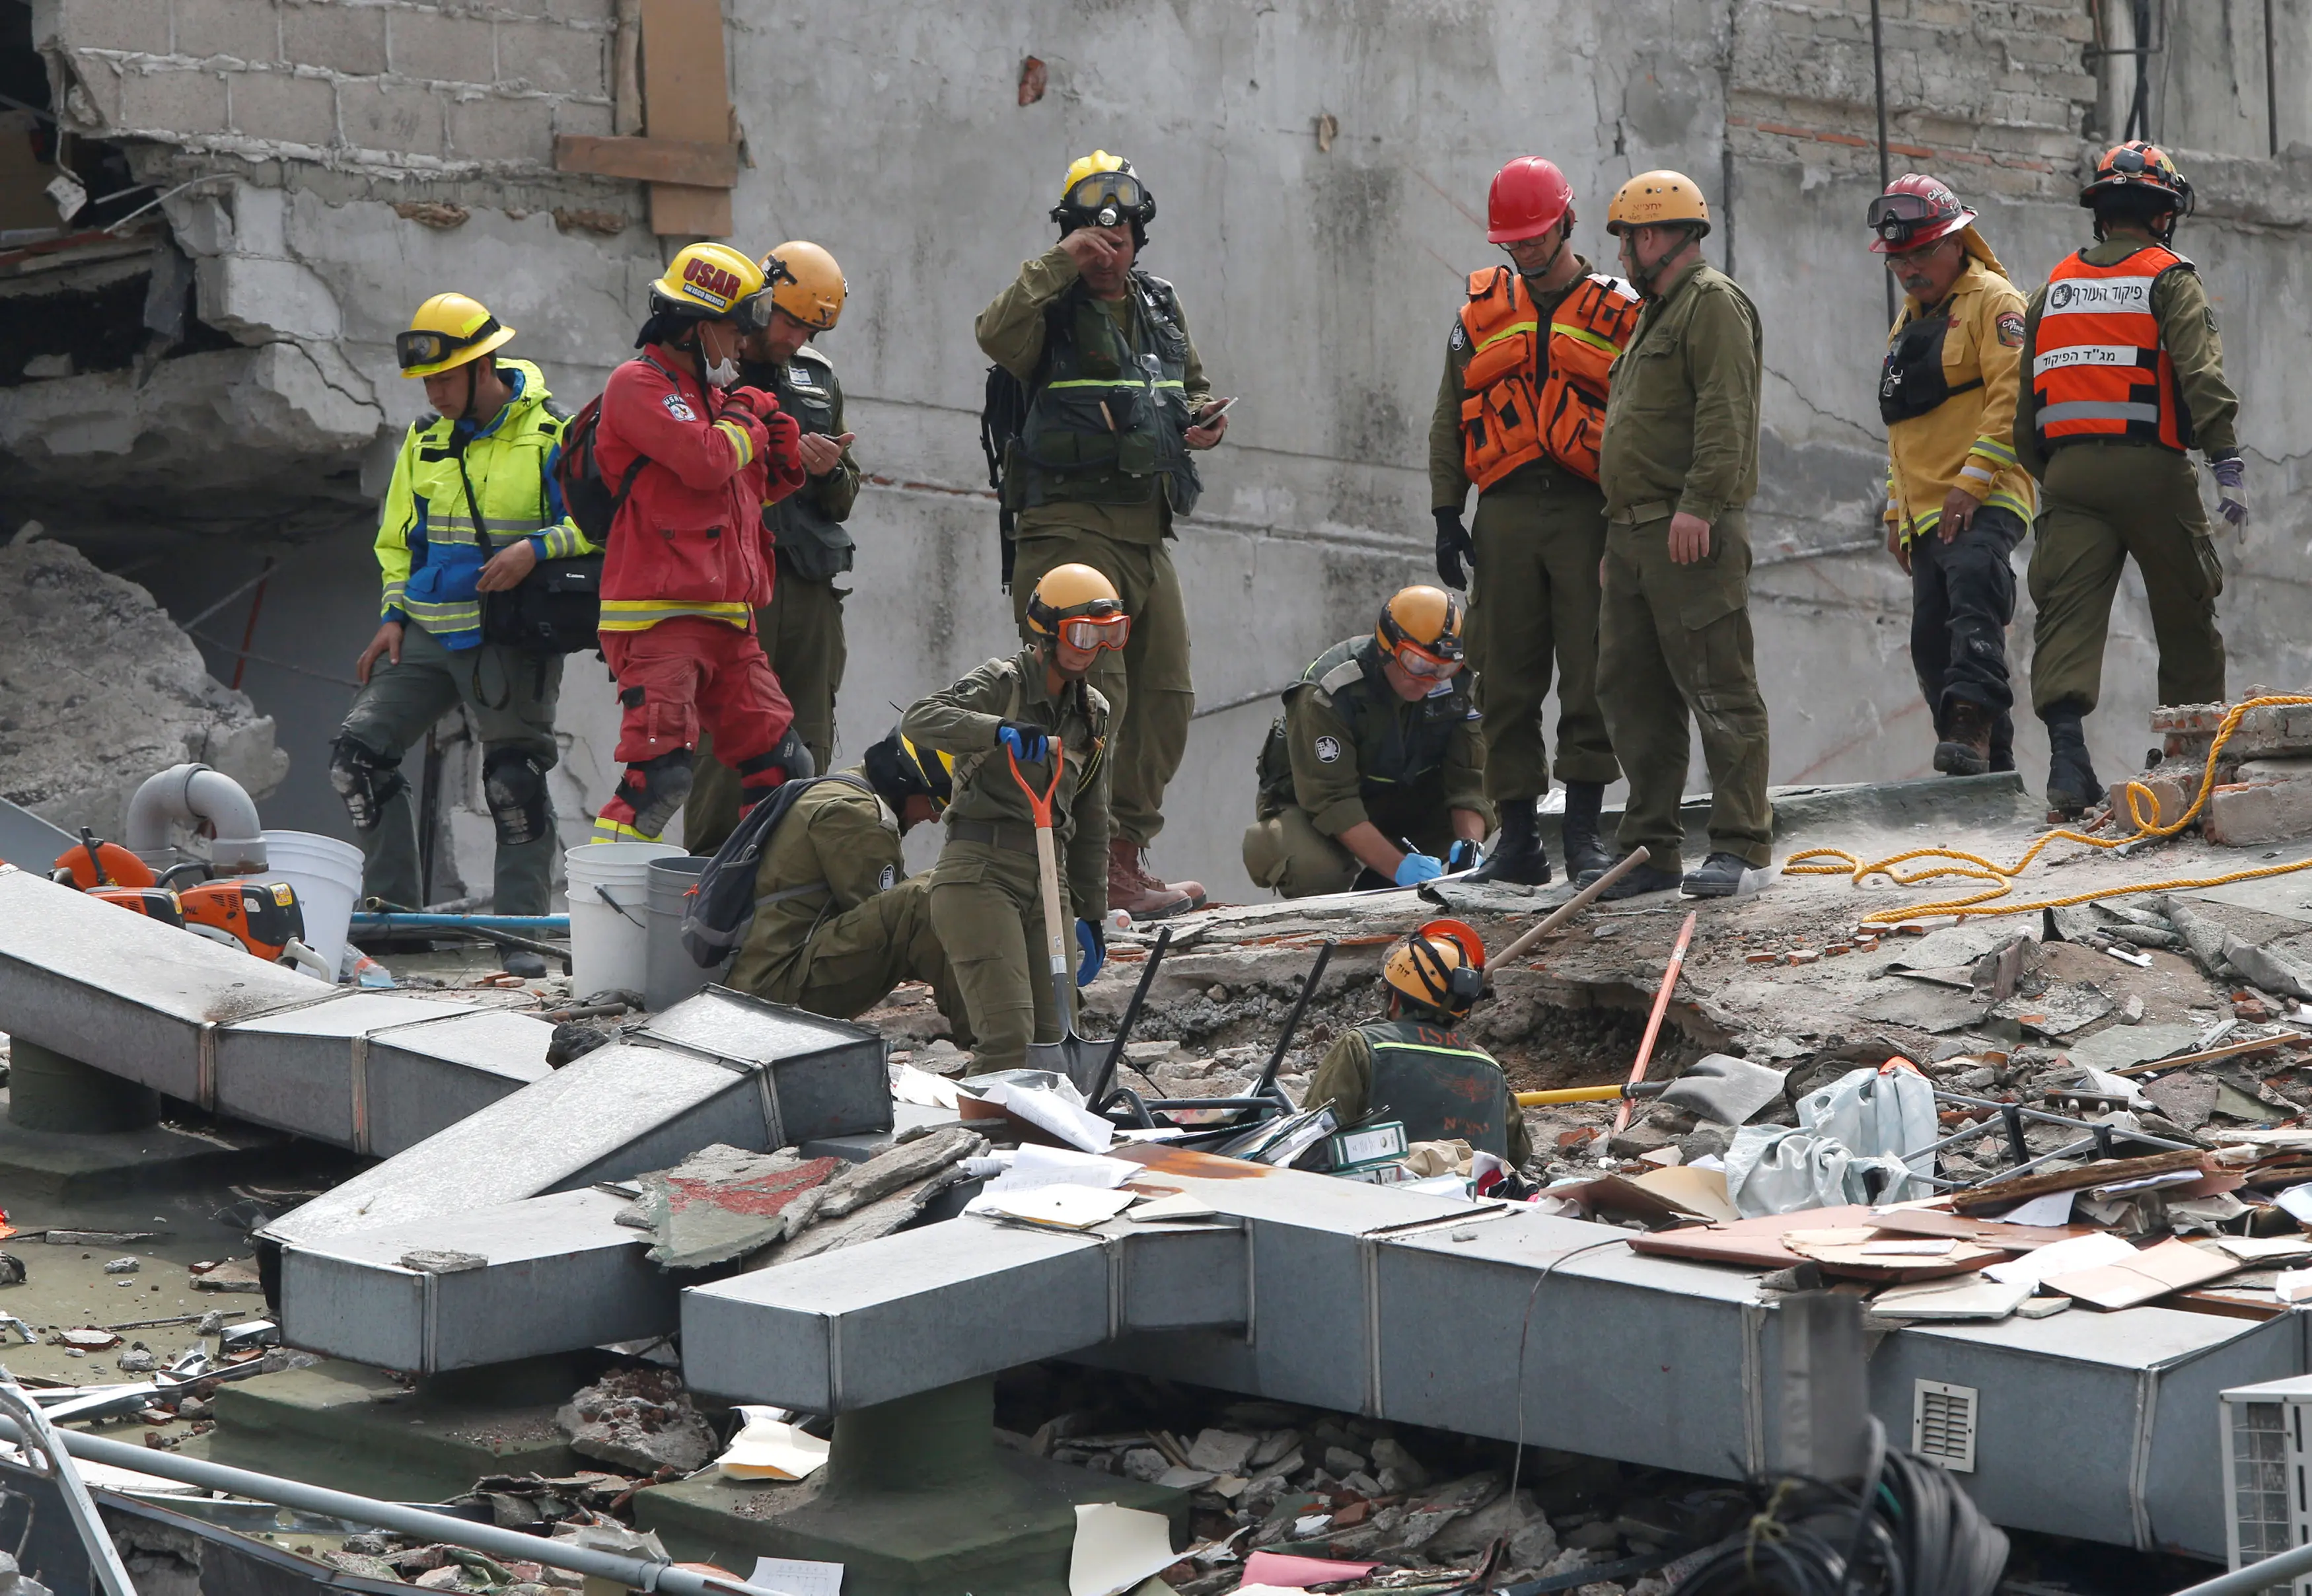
{"points": [[2110, 498], [1348, 749], [1682, 433], [986, 892], [1436, 1113], [802, 627], [836, 928], [1116, 521], [1539, 532]]}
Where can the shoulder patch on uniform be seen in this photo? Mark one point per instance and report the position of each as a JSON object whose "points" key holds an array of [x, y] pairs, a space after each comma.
{"points": [[678, 406], [1328, 751], [1347, 673], [2010, 329], [1460, 336], [2210, 313], [888, 879]]}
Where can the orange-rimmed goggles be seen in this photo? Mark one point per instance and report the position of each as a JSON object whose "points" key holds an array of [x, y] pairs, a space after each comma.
{"points": [[1418, 661], [1086, 633]]}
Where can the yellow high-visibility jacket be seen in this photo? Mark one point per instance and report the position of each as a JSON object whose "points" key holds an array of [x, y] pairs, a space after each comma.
{"points": [[1966, 440]]}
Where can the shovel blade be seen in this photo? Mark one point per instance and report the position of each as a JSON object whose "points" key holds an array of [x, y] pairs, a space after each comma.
{"points": [[1072, 1055], [1725, 1089]]}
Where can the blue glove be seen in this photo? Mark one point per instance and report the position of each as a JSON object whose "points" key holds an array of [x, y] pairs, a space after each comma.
{"points": [[1026, 742], [1095, 952], [1417, 868], [2231, 490], [1464, 855]]}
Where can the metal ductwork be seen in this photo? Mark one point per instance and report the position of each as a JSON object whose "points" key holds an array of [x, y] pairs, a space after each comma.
{"points": [[194, 796]]}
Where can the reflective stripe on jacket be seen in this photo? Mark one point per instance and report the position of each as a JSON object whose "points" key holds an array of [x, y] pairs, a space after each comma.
{"points": [[1531, 398], [1107, 416], [1947, 394], [689, 539], [2099, 369], [430, 548]]}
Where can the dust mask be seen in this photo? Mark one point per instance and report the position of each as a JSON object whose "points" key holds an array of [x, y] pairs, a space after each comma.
{"points": [[722, 372]]}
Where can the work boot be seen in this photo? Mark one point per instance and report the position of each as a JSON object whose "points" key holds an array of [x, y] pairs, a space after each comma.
{"points": [[1644, 879], [1517, 856], [1966, 747], [1721, 876], [523, 963], [2071, 784], [1132, 889], [1587, 857]]}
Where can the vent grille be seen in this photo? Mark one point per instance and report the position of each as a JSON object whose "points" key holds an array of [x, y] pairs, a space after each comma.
{"points": [[1942, 1424]]}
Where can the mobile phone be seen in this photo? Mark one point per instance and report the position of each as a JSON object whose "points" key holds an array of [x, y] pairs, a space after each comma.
{"points": [[1215, 409]]}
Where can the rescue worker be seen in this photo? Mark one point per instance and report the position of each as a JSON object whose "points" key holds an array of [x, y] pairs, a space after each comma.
{"points": [[471, 510], [1414, 1066], [802, 627], [691, 557], [1958, 503], [1006, 723], [2126, 373], [836, 924], [1117, 399], [1679, 464], [1375, 774], [1518, 413]]}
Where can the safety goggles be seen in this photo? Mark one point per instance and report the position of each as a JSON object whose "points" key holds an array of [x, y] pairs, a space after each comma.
{"points": [[1418, 661], [1899, 217], [1107, 197], [1086, 633], [421, 347]]}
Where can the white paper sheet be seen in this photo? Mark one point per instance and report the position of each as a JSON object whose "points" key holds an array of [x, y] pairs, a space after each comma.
{"points": [[922, 1088], [1047, 1110], [766, 1447], [1033, 1168], [2294, 1285], [796, 1577], [2055, 1208], [1073, 1207], [2297, 1203], [1118, 1548], [1179, 1205], [2062, 1257]]}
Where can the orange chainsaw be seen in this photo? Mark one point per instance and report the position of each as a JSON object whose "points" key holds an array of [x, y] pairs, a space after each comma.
{"points": [[258, 916]]}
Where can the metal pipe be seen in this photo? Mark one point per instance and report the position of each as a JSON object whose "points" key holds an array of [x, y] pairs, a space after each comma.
{"points": [[1878, 85], [523, 925], [2044, 1118], [1572, 906], [640, 1574], [1130, 1017], [2252, 1577], [40, 1440], [187, 795], [1292, 1021], [2271, 83]]}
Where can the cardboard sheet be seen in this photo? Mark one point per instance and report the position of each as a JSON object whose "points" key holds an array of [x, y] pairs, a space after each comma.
{"points": [[2091, 1251], [769, 1448], [1757, 1244], [1693, 1189], [1962, 1296], [1988, 1233], [2151, 1274]]}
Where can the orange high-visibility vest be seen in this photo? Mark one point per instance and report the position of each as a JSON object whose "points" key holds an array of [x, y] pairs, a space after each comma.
{"points": [[1511, 419], [2097, 370]]}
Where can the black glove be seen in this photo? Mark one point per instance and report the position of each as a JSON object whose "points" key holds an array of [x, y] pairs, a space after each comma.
{"points": [[1453, 547]]}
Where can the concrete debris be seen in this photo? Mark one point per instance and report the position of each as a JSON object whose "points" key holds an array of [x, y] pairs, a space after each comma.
{"points": [[722, 1202], [80, 732], [640, 1419], [234, 1275], [123, 1266], [572, 1040]]}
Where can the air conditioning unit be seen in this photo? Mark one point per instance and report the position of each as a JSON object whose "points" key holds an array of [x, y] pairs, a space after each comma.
{"points": [[2268, 1475]]}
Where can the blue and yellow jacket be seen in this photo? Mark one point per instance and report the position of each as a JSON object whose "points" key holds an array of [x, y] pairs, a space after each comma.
{"points": [[430, 547]]}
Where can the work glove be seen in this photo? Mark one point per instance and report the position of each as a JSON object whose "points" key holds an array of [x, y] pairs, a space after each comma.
{"points": [[1027, 743], [1094, 947], [1464, 855], [2231, 490], [1453, 547], [1417, 868]]}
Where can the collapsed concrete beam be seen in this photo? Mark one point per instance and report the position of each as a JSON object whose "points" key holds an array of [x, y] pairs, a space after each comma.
{"points": [[1495, 1320]]}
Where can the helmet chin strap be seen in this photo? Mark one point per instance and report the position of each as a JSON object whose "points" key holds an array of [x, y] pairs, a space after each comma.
{"points": [[1550, 265]]}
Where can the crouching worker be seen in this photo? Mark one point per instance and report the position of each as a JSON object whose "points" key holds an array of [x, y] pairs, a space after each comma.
{"points": [[835, 926], [690, 559], [1414, 1065], [1035, 715], [1375, 773]]}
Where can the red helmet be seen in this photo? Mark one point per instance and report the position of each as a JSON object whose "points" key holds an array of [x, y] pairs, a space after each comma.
{"points": [[1528, 197], [1915, 211]]}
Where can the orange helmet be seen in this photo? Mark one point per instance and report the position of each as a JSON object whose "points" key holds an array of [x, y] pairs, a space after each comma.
{"points": [[1442, 967], [2139, 165], [1421, 629]]}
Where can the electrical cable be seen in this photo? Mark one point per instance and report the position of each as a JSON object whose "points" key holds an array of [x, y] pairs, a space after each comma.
{"points": [[1973, 866]]}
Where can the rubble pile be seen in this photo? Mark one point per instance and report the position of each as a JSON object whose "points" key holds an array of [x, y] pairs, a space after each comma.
{"points": [[640, 1419]]}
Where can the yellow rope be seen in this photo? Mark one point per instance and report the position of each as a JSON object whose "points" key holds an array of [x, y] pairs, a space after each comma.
{"points": [[2142, 808]]}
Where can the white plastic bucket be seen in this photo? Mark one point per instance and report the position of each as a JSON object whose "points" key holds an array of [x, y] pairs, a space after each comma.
{"points": [[328, 876], [609, 915]]}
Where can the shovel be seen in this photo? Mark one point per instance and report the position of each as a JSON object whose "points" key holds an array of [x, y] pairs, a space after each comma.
{"points": [[1071, 1055], [1720, 1088]]}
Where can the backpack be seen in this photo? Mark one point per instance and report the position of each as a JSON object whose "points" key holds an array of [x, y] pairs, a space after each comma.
{"points": [[590, 500], [722, 907], [1002, 416]]}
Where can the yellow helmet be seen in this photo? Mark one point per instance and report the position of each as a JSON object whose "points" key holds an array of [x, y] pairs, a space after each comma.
{"points": [[1657, 198], [1442, 966], [1421, 628], [710, 282], [447, 331], [1102, 190], [806, 284], [896, 765], [1078, 605]]}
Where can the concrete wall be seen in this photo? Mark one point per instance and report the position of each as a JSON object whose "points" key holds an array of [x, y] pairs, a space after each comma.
{"points": [[1319, 275]]}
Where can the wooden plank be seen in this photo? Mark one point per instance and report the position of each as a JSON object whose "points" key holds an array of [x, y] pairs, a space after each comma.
{"points": [[2004, 1194], [685, 96], [648, 160]]}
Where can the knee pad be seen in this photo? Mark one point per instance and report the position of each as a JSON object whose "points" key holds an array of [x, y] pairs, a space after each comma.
{"points": [[365, 779], [513, 785], [655, 788], [789, 761]]}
